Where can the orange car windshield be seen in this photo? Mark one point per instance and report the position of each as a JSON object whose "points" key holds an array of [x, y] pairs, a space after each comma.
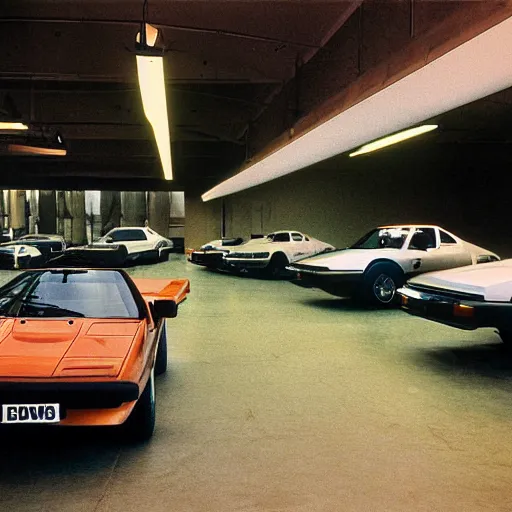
{"points": [[69, 293]]}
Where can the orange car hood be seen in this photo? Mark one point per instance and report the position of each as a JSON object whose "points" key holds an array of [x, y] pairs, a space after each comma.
{"points": [[34, 347]]}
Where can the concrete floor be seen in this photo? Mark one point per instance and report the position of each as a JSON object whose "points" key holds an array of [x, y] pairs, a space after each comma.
{"points": [[285, 399]]}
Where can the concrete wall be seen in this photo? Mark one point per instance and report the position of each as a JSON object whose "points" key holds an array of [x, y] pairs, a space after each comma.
{"points": [[202, 221], [463, 188]]}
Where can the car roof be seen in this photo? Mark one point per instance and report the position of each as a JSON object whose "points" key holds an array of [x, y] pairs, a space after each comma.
{"points": [[40, 235], [409, 226], [124, 228]]}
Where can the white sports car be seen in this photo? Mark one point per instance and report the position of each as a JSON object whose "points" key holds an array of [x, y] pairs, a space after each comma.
{"points": [[467, 298], [379, 263], [31, 251], [120, 246], [271, 253]]}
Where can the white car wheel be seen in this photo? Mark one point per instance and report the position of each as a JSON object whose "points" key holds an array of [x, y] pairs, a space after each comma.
{"points": [[384, 289]]}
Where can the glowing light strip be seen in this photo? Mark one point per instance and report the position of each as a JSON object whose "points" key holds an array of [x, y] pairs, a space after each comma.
{"points": [[473, 70], [13, 126], [152, 89], [34, 150], [394, 139]]}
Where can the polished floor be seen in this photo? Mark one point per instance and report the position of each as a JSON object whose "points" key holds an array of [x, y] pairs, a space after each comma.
{"points": [[285, 399]]}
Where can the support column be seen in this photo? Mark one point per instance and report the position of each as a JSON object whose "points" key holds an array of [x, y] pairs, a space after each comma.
{"points": [[133, 207], [159, 212], [17, 212], [110, 210], [75, 202], [47, 211]]}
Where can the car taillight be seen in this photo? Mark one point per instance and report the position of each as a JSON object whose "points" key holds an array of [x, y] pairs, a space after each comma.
{"points": [[461, 310]]}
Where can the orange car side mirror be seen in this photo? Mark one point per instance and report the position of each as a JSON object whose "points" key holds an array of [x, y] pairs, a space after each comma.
{"points": [[165, 309]]}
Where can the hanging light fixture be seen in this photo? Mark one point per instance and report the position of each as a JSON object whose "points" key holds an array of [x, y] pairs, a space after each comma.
{"points": [[150, 70]]}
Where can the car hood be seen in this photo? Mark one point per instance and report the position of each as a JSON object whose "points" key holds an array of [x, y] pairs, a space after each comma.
{"points": [[492, 280], [350, 259], [67, 347]]}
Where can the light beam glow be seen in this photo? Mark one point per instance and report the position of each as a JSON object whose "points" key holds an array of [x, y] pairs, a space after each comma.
{"points": [[394, 139]]}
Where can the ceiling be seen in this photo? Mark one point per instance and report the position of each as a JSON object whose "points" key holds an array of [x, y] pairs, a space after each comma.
{"points": [[69, 66]]}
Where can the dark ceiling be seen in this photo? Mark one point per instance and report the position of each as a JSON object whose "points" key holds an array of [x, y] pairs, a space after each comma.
{"points": [[69, 66]]}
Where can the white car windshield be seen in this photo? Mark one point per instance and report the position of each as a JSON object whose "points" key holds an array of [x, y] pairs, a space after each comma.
{"points": [[383, 238], [279, 237]]}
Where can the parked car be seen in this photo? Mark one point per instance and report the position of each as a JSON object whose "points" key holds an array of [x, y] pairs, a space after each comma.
{"points": [[467, 298], [380, 262], [119, 247], [211, 254], [82, 347], [31, 251], [270, 254]]}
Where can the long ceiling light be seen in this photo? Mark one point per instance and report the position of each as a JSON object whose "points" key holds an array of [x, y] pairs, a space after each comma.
{"points": [[150, 70], [394, 139], [405, 103], [25, 149], [12, 126]]}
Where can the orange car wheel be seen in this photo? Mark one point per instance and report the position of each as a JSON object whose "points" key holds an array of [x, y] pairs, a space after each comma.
{"points": [[140, 424]]}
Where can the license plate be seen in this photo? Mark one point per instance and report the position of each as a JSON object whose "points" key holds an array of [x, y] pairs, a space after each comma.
{"points": [[30, 413]]}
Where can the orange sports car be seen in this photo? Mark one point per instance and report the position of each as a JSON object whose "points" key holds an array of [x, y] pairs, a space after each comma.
{"points": [[82, 347]]}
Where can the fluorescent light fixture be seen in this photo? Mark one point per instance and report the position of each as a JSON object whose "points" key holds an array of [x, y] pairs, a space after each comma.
{"points": [[152, 89], [23, 149], [394, 139], [405, 103], [13, 126]]}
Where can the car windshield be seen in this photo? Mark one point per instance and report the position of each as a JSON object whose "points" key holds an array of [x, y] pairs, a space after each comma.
{"points": [[127, 235], [279, 237], [69, 293], [383, 238]]}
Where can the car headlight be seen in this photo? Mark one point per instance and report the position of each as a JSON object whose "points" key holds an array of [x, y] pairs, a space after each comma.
{"points": [[22, 250]]}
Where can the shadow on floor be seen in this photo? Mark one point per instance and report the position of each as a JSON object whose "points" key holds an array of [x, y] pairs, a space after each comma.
{"points": [[492, 360]]}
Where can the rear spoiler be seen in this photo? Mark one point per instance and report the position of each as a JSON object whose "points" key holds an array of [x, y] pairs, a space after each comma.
{"points": [[161, 289]]}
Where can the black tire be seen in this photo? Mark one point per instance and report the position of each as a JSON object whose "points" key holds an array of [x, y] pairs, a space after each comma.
{"points": [[140, 425], [380, 283], [161, 352], [163, 256], [277, 265], [506, 337]]}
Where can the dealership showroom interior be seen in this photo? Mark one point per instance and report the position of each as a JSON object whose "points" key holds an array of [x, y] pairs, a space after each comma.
{"points": [[254, 255]]}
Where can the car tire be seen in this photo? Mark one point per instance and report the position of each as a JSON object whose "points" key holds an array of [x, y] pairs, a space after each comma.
{"points": [[161, 351], [276, 266], [163, 256], [140, 425], [380, 283]]}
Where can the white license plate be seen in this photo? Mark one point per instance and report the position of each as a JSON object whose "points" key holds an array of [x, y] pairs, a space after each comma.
{"points": [[30, 413]]}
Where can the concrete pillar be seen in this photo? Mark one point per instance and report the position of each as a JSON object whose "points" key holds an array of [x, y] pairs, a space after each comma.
{"points": [[33, 205], [159, 212], [133, 205], [110, 210], [17, 211], [47, 211], [75, 202]]}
